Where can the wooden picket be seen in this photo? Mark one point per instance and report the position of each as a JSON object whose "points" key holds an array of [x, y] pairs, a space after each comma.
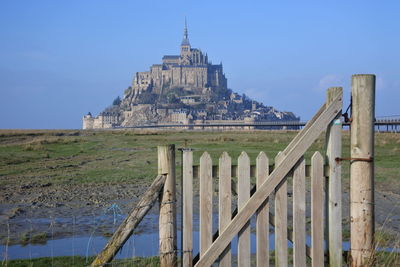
{"points": [[243, 196], [281, 248], [187, 194], [206, 193], [333, 151], [225, 204], [317, 210], [299, 214], [262, 216]]}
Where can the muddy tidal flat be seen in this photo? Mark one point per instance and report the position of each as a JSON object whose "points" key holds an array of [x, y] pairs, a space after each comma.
{"points": [[57, 184]]}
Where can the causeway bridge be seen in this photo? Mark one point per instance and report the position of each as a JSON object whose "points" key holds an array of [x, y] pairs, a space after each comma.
{"points": [[382, 124]]}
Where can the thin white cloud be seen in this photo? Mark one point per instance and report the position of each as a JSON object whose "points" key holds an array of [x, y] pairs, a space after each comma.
{"points": [[329, 80]]}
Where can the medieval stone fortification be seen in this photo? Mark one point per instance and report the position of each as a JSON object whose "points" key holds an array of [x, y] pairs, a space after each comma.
{"points": [[183, 89]]}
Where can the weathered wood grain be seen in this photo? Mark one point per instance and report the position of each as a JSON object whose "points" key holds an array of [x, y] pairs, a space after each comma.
{"points": [[362, 172], [225, 203], [281, 248], [187, 194], [206, 191], [299, 214], [317, 210], [253, 171], [262, 216], [243, 197], [333, 151], [167, 220]]}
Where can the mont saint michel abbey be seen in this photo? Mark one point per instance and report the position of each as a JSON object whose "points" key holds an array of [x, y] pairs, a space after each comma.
{"points": [[190, 70], [183, 89]]}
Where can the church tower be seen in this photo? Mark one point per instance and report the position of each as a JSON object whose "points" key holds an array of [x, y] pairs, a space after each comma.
{"points": [[185, 47]]}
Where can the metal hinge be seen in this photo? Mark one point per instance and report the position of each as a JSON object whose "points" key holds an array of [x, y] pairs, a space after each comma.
{"points": [[370, 159]]}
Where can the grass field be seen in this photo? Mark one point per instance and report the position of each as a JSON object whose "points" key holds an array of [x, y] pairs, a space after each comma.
{"points": [[131, 156]]}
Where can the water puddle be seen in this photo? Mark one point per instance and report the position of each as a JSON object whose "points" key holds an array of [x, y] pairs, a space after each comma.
{"points": [[142, 244]]}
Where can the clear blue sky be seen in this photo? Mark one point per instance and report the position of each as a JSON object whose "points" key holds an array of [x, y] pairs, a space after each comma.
{"points": [[61, 59]]}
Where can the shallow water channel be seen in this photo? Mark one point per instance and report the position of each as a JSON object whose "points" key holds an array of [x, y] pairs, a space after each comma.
{"points": [[142, 244]]}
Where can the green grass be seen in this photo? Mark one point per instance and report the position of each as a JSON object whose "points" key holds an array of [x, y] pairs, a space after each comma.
{"points": [[384, 238], [67, 157], [387, 259], [33, 238], [39, 238]]}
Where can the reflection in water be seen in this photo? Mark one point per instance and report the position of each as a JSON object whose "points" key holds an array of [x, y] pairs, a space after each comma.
{"points": [[142, 244]]}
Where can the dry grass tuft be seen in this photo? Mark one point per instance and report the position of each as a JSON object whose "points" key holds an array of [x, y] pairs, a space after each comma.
{"points": [[34, 147]]}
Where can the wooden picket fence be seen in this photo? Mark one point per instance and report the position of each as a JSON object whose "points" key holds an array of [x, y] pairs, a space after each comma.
{"points": [[224, 172], [271, 188]]}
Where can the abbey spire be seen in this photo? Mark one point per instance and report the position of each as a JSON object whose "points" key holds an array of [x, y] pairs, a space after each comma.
{"points": [[185, 40], [185, 47]]}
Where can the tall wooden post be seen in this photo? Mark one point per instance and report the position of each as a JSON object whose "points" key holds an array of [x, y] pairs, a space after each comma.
{"points": [[167, 220], [334, 201], [362, 170]]}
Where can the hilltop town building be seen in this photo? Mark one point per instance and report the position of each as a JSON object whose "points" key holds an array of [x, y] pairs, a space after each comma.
{"points": [[184, 89], [190, 71]]}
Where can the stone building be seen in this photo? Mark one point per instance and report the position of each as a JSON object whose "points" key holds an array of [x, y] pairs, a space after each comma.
{"points": [[190, 71], [104, 120]]}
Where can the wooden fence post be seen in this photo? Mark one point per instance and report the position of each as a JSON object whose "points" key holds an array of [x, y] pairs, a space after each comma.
{"points": [[333, 151], [362, 170], [167, 220]]}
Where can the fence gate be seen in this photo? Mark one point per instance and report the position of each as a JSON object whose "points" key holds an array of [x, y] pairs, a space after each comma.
{"points": [[268, 200]]}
